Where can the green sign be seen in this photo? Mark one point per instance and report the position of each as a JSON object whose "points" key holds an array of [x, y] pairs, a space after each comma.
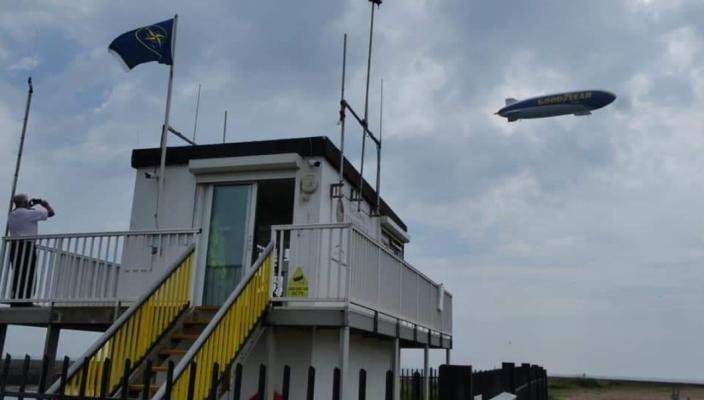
{"points": [[298, 284]]}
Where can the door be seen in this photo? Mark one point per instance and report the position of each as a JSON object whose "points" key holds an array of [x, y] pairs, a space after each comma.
{"points": [[229, 241]]}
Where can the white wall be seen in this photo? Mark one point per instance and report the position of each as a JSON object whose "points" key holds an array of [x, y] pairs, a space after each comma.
{"points": [[300, 348]]}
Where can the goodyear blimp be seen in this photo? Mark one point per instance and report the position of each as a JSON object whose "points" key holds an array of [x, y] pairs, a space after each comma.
{"points": [[576, 103]]}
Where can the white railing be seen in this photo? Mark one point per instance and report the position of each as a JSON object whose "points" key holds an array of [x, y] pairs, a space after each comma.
{"points": [[342, 264], [86, 268]]}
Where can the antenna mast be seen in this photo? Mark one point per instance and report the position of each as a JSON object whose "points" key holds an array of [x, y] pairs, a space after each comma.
{"points": [[363, 121]]}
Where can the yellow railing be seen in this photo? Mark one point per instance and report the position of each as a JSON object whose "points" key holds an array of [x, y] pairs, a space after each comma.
{"points": [[132, 336], [226, 334]]}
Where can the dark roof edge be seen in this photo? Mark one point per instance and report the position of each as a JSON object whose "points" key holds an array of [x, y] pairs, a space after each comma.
{"points": [[319, 146]]}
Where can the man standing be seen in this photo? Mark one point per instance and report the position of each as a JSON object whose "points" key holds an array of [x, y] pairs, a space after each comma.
{"points": [[24, 221]]}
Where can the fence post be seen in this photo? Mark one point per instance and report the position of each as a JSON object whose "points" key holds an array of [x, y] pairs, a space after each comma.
{"points": [[336, 384], [262, 381], [105, 379], [389, 386], [286, 383], [417, 387], [5, 372], [545, 384], [169, 380], [23, 381], [507, 381], [214, 383], [146, 382], [456, 382], [192, 381], [238, 382], [362, 391], [125, 380], [310, 389], [64, 376], [43, 377], [84, 379]]}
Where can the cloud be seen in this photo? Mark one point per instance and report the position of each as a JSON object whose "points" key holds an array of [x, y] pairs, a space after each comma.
{"points": [[574, 242]]}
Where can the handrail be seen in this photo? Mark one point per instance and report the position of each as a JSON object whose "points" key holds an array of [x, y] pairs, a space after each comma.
{"points": [[137, 329], [225, 335], [103, 234]]}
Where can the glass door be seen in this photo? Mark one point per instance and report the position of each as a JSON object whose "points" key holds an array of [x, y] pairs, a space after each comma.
{"points": [[229, 240]]}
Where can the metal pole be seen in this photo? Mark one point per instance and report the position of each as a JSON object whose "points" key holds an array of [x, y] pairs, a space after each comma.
{"points": [[378, 152], [366, 108], [195, 123], [224, 128], [342, 110], [165, 127], [30, 91]]}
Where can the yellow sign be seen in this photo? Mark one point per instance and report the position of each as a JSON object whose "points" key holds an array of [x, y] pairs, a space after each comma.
{"points": [[298, 284]]}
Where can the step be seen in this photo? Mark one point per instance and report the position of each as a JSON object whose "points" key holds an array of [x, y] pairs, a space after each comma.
{"points": [[207, 308], [160, 368], [185, 336], [172, 352], [197, 322], [138, 387]]}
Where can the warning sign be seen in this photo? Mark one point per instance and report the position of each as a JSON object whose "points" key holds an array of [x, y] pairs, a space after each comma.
{"points": [[298, 284]]}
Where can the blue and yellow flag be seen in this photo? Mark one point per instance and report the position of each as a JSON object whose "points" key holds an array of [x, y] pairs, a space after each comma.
{"points": [[145, 44]]}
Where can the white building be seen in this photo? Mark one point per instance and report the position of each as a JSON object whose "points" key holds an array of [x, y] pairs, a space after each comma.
{"points": [[262, 255]]}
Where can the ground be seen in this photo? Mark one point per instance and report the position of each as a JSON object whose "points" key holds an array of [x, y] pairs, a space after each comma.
{"points": [[592, 389]]}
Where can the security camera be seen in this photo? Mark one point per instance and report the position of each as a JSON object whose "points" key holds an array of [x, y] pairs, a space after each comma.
{"points": [[313, 163], [149, 175]]}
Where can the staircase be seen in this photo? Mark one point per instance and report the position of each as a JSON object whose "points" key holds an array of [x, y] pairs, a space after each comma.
{"points": [[162, 332], [171, 349]]}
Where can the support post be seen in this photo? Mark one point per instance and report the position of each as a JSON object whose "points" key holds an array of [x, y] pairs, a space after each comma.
{"points": [[397, 368], [426, 377], [51, 342], [447, 355], [344, 359]]}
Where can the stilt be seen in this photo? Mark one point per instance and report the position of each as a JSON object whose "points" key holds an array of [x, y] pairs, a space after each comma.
{"points": [[397, 369], [426, 377], [51, 342], [344, 360]]}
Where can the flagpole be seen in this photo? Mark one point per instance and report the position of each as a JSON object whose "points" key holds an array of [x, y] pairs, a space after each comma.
{"points": [[165, 127], [19, 153]]}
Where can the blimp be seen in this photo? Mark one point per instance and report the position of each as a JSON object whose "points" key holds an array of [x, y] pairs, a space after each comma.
{"points": [[578, 103]]}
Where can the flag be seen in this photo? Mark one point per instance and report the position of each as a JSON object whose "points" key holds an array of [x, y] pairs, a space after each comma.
{"points": [[145, 44]]}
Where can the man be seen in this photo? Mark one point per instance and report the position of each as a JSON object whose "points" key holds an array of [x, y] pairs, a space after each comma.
{"points": [[24, 221]]}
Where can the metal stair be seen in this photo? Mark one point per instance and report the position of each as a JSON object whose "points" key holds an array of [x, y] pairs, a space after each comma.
{"points": [[171, 348]]}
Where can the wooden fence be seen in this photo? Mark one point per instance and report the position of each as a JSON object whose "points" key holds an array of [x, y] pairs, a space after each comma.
{"points": [[27, 379], [451, 382]]}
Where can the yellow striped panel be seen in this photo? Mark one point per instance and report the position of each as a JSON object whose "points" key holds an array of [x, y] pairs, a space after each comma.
{"points": [[226, 340], [138, 333]]}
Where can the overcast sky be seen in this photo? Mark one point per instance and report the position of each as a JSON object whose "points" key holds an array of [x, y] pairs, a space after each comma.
{"points": [[571, 242]]}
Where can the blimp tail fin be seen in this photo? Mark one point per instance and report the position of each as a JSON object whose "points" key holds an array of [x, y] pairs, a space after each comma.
{"points": [[511, 101]]}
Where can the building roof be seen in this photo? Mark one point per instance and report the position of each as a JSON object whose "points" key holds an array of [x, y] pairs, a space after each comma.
{"points": [[319, 146]]}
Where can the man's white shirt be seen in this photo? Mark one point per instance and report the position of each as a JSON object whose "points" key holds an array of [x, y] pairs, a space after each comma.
{"points": [[24, 221]]}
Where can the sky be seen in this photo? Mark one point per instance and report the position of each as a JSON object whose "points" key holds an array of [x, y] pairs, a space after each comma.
{"points": [[574, 243]]}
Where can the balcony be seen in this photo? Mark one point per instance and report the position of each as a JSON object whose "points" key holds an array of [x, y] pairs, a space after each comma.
{"points": [[347, 269], [86, 269]]}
